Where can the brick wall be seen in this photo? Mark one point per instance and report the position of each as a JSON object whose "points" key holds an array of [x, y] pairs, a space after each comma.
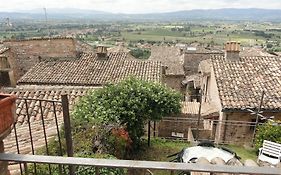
{"points": [[27, 53]]}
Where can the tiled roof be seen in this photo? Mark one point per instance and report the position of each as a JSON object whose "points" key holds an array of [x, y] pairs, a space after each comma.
{"points": [[192, 108], [45, 93], [84, 47], [278, 53], [240, 83], [170, 57], [119, 48], [3, 49], [253, 51], [39, 38], [34, 111], [91, 71]]}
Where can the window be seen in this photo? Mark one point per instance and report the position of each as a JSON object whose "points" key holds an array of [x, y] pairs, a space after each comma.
{"points": [[4, 78], [4, 63]]}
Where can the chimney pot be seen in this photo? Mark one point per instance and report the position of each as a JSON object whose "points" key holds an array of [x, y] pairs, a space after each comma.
{"points": [[102, 52], [232, 49]]}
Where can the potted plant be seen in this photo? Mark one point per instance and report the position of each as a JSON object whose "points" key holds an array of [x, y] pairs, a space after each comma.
{"points": [[7, 113]]}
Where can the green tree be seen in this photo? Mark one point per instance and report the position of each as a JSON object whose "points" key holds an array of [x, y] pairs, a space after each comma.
{"points": [[130, 103], [268, 131], [141, 53]]}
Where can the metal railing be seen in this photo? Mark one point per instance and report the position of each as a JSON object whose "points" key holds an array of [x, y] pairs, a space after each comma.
{"points": [[169, 125], [38, 129], [132, 164]]}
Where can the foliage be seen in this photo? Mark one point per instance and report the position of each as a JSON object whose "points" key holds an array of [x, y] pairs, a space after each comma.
{"points": [[86, 170], [80, 170], [119, 142], [141, 53], [159, 150], [268, 131], [130, 103]]}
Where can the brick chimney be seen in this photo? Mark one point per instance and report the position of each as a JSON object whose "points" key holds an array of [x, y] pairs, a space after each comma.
{"points": [[232, 49], [102, 52]]}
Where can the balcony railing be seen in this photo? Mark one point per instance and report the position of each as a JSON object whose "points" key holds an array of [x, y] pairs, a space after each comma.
{"points": [[132, 164]]}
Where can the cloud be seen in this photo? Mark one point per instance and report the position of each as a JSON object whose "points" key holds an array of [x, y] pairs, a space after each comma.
{"points": [[137, 6]]}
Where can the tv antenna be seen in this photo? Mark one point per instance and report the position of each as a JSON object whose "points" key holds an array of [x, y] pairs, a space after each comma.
{"points": [[46, 20]]}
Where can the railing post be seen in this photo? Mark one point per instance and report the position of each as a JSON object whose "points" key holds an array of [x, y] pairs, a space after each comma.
{"points": [[148, 139], [67, 128], [3, 164], [97, 171], [154, 129]]}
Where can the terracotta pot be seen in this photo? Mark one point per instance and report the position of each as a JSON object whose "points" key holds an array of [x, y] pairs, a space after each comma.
{"points": [[7, 113]]}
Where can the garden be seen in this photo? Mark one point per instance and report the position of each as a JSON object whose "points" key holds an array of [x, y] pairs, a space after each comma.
{"points": [[110, 123]]}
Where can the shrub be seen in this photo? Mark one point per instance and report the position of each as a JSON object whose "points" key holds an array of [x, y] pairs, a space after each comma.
{"points": [[79, 170], [268, 131], [119, 142], [86, 170]]}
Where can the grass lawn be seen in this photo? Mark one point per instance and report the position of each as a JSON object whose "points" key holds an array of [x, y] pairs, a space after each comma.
{"points": [[161, 148], [244, 153]]}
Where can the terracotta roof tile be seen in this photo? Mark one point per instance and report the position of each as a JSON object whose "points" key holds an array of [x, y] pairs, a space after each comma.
{"points": [[46, 93], [43, 94], [192, 108], [3, 49], [240, 83], [91, 71]]}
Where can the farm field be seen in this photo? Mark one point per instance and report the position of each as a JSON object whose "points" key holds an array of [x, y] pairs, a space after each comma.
{"points": [[263, 34]]}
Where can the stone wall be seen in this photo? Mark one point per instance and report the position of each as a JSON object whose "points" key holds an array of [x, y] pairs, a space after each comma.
{"points": [[175, 125], [241, 132], [11, 69], [175, 82], [192, 60], [27, 53]]}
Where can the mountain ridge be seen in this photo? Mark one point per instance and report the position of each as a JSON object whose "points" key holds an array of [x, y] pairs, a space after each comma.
{"points": [[252, 14]]}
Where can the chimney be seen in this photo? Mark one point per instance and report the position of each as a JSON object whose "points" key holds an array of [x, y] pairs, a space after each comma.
{"points": [[102, 52], [232, 49]]}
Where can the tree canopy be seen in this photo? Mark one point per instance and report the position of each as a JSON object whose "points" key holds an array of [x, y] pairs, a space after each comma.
{"points": [[130, 104]]}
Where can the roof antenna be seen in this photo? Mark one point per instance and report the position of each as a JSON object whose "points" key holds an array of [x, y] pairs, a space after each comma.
{"points": [[46, 20]]}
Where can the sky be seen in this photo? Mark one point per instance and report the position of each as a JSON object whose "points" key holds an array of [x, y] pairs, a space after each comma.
{"points": [[137, 6]]}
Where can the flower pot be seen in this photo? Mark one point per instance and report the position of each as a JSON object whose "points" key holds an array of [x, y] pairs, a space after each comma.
{"points": [[7, 113]]}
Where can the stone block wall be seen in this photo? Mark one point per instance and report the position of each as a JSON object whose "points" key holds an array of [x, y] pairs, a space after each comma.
{"points": [[174, 125], [192, 60], [27, 53], [175, 82], [241, 132]]}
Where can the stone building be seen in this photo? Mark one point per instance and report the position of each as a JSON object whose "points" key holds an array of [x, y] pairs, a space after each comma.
{"points": [[49, 79], [234, 84], [8, 65], [21, 55], [192, 58], [31, 51], [194, 55], [172, 59]]}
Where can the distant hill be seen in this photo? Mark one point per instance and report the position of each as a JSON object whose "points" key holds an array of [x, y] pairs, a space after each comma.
{"points": [[216, 14]]}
